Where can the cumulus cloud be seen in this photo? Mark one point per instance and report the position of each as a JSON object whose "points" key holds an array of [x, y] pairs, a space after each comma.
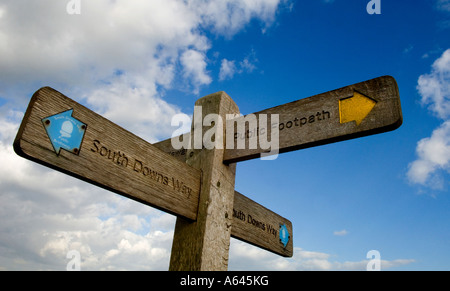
{"points": [[151, 116], [435, 87], [433, 156], [230, 16], [194, 68], [117, 50], [229, 68], [433, 162], [246, 257]]}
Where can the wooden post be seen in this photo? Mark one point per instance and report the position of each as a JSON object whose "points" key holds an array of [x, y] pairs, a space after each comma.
{"points": [[203, 245]]}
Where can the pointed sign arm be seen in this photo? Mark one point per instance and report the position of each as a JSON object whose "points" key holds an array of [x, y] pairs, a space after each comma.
{"points": [[107, 155], [358, 110]]}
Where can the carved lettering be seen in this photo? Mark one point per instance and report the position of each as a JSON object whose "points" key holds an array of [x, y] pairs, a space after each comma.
{"points": [[252, 220], [272, 230], [239, 214], [96, 144], [139, 167], [255, 222], [116, 157], [122, 160], [303, 121], [178, 153]]}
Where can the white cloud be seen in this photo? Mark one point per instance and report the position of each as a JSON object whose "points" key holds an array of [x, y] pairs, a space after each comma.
{"points": [[435, 87], [227, 70], [247, 65], [134, 108], [194, 68], [443, 5], [246, 257], [434, 152], [124, 48], [229, 16], [41, 41], [343, 232], [434, 155]]}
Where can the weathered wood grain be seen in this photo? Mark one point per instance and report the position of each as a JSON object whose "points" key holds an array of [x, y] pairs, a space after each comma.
{"points": [[204, 244], [259, 226], [110, 157], [320, 119]]}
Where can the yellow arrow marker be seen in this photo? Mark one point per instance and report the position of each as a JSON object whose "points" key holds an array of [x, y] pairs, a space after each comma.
{"points": [[355, 108]]}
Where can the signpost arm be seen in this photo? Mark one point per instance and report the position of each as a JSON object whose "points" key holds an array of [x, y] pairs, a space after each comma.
{"points": [[252, 222], [204, 244]]}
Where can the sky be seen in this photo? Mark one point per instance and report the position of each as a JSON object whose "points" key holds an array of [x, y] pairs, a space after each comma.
{"points": [[139, 63]]}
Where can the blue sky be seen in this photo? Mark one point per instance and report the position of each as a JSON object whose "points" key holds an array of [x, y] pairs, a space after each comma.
{"points": [[140, 62]]}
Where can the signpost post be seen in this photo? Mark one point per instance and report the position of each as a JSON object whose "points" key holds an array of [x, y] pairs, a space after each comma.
{"points": [[197, 184], [203, 245]]}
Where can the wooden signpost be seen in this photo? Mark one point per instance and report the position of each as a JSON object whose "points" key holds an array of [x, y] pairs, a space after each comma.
{"points": [[354, 111], [359, 110], [105, 154], [197, 185]]}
